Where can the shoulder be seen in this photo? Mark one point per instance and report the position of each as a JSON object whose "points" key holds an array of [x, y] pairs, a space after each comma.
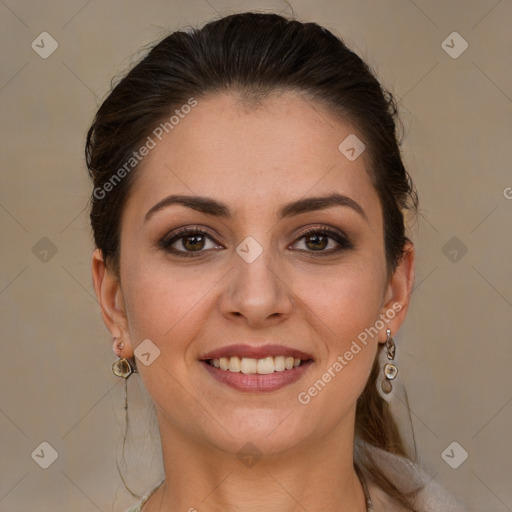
{"points": [[134, 508], [406, 475], [432, 498], [137, 507], [381, 501]]}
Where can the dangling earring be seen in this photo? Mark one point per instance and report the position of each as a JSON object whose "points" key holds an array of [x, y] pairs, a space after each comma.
{"points": [[123, 367], [390, 370]]}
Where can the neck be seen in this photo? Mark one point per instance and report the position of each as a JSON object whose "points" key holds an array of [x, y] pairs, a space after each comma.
{"points": [[315, 476]]}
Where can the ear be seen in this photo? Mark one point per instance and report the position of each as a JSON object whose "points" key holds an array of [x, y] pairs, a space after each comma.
{"points": [[110, 296], [398, 293]]}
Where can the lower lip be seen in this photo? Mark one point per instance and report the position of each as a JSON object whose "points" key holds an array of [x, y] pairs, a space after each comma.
{"points": [[256, 382]]}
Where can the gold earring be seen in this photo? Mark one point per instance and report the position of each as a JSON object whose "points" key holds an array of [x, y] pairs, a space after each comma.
{"points": [[390, 370]]}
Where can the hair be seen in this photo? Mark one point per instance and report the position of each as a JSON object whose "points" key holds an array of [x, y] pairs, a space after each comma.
{"points": [[253, 55]]}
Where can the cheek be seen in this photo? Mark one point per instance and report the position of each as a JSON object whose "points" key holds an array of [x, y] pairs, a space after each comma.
{"points": [[346, 300], [345, 308], [163, 303], [356, 305]]}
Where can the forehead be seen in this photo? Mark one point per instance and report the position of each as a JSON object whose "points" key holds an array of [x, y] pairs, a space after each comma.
{"points": [[253, 154]]}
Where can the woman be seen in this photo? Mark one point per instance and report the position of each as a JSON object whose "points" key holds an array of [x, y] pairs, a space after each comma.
{"points": [[252, 265]]}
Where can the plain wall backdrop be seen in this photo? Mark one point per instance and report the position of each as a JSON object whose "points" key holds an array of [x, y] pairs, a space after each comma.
{"points": [[454, 351]]}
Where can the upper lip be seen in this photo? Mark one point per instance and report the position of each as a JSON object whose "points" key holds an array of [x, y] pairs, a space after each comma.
{"points": [[258, 352]]}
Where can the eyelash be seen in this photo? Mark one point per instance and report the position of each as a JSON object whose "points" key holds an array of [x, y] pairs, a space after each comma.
{"points": [[342, 240]]}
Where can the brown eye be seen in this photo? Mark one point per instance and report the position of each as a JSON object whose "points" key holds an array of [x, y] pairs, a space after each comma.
{"points": [[323, 241], [317, 241], [193, 242], [188, 241]]}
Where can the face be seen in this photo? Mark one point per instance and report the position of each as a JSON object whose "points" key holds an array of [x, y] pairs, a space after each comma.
{"points": [[256, 261]]}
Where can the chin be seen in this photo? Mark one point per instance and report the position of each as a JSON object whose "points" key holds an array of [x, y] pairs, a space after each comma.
{"points": [[268, 433]]}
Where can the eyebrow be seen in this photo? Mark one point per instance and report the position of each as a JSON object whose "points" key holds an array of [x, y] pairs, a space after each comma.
{"points": [[213, 207]]}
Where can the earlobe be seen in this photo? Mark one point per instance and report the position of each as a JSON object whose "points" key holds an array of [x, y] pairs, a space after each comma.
{"points": [[398, 291]]}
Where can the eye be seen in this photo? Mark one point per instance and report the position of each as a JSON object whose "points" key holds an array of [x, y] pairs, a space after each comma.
{"points": [[323, 240], [190, 242], [187, 241]]}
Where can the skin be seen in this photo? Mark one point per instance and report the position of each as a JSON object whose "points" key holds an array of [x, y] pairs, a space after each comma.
{"points": [[255, 159]]}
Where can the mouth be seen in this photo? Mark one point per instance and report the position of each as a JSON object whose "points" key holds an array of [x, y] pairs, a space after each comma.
{"points": [[264, 368], [261, 366]]}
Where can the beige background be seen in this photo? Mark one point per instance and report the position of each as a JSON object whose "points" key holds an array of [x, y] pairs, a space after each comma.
{"points": [[455, 349]]}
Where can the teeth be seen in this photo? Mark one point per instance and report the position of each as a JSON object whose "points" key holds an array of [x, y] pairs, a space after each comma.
{"points": [[266, 365], [248, 365], [279, 365], [262, 366], [234, 364]]}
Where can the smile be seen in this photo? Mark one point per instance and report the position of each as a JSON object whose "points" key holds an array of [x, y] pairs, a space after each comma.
{"points": [[255, 367], [249, 365], [257, 375]]}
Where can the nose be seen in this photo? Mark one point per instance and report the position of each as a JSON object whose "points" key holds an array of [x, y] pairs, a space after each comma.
{"points": [[256, 293]]}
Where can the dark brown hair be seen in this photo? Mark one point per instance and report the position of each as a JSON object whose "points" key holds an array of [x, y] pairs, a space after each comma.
{"points": [[253, 55]]}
